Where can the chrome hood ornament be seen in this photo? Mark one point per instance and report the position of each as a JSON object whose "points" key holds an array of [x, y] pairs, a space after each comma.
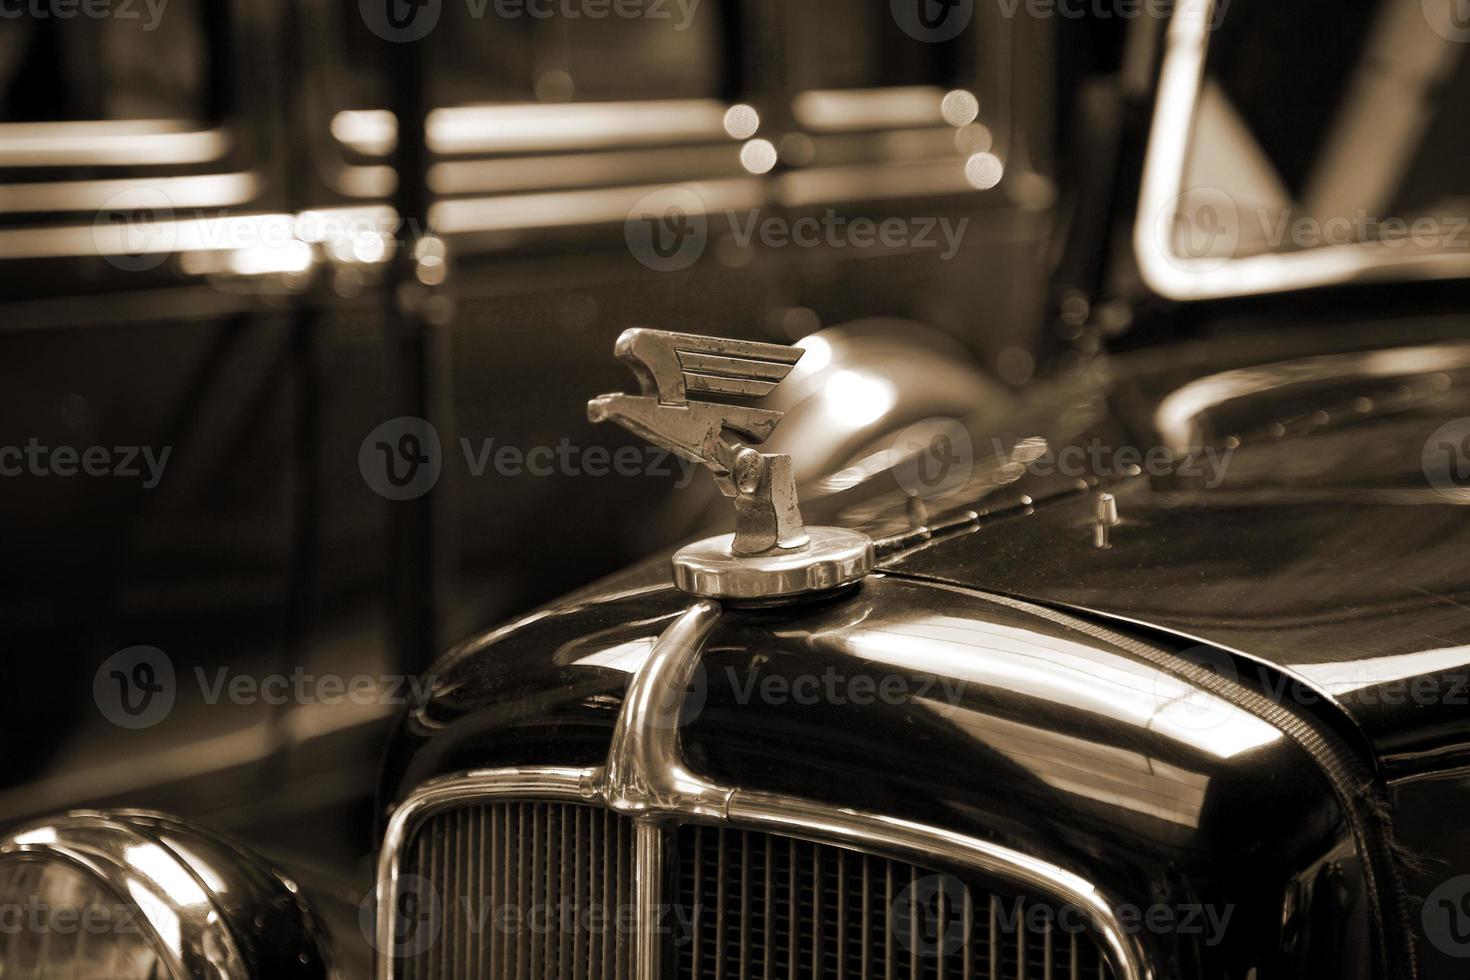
{"points": [[772, 555]]}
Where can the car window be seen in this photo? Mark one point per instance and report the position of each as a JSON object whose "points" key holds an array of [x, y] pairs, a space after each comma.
{"points": [[1351, 115]]}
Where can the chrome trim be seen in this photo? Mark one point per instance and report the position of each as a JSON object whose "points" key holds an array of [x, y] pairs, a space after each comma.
{"points": [[1185, 279], [648, 886], [645, 771], [523, 783], [788, 816], [645, 777], [195, 893], [1177, 415], [834, 558]]}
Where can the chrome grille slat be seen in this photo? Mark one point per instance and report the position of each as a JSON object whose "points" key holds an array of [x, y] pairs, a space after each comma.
{"points": [[776, 884], [756, 905], [721, 892], [793, 905], [697, 919], [745, 942], [968, 954], [867, 920], [994, 936], [624, 854]]}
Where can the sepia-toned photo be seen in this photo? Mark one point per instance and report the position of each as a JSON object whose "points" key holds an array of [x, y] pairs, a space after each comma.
{"points": [[735, 490]]}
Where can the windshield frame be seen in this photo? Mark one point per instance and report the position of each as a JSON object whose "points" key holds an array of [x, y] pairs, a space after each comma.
{"points": [[1187, 278]]}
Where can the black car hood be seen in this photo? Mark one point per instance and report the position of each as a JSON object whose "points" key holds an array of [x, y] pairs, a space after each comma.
{"points": [[1316, 558], [1332, 549]]}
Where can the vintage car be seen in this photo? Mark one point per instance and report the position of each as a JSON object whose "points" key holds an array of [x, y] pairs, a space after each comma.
{"points": [[1153, 668], [1147, 725]]}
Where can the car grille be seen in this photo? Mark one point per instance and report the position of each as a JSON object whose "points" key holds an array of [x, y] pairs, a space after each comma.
{"points": [[544, 891], [506, 875], [770, 906]]}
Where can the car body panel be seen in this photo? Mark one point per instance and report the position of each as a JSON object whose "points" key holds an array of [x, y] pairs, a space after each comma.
{"points": [[963, 713], [1315, 533], [1363, 602]]}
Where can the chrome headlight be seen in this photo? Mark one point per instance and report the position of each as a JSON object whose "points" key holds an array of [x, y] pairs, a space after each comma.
{"points": [[139, 896]]}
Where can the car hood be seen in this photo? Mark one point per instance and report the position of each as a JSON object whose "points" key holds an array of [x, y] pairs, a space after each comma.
{"points": [[1310, 523]]}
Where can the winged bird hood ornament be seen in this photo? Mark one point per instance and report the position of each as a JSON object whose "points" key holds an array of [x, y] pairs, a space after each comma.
{"points": [[771, 555]]}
